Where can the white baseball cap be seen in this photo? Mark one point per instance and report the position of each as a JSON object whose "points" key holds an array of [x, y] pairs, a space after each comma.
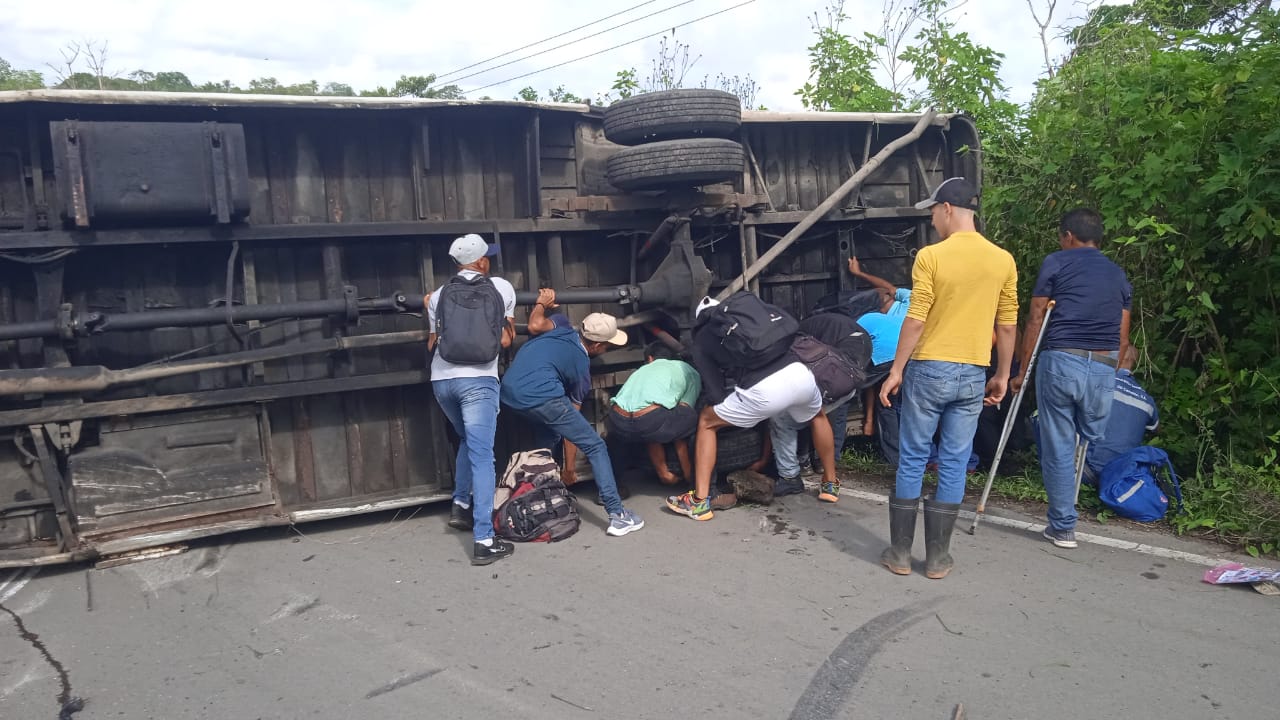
{"points": [[706, 302], [601, 327], [470, 248]]}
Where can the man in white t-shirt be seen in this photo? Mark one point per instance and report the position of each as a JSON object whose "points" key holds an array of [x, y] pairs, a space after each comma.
{"points": [[472, 334]]}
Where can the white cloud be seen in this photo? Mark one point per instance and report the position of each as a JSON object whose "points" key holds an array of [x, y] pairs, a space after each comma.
{"points": [[374, 42]]}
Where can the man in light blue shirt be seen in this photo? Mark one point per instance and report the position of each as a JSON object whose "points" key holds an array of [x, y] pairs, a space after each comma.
{"points": [[884, 328]]}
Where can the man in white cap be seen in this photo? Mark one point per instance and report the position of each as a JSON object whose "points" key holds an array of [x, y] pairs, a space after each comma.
{"points": [[547, 383], [745, 398], [471, 319]]}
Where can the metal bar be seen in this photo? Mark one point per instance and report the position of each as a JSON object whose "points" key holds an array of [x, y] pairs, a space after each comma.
{"points": [[790, 217], [533, 165], [195, 317], [304, 232], [753, 254], [829, 204], [75, 166], [96, 378], [757, 174], [38, 198], [581, 296], [210, 398], [662, 232], [57, 491], [1082, 452], [665, 338], [555, 260], [218, 159]]}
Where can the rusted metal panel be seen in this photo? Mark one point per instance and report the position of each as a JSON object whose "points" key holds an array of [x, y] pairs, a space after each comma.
{"points": [[154, 468]]}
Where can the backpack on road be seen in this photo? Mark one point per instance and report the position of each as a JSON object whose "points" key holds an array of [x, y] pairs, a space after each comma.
{"points": [[1128, 484], [533, 505]]}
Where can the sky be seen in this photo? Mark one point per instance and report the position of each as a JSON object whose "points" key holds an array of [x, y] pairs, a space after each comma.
{"points": [[374, 42]]}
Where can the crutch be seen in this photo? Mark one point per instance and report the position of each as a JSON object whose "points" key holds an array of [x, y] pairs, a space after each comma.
{"points": [[1082, 450], [1010, 419]]}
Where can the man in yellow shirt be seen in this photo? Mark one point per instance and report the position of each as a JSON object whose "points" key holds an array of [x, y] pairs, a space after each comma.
{"points": [[961, 287]]}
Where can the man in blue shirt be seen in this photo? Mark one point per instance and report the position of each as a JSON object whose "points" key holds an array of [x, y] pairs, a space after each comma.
{"points": [[1076, 368], [884, 328], [547, 383], [1133, 415]]}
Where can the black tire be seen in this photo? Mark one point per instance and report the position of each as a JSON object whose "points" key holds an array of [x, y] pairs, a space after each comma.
{"points": [[672, 115], [737, 448], [676, 163]]}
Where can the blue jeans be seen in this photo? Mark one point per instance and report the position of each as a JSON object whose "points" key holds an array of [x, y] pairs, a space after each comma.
{"points": [[471, 404], [785, 434], [887, 428], [556, 419], [1073, 397], [944, 396]]}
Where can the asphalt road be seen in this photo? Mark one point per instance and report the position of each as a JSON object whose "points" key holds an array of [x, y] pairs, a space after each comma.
{"points": [[777, 612]]}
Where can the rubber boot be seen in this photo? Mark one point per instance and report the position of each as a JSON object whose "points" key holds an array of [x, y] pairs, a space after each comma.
{"points": [[939, 521], [902, 533]]}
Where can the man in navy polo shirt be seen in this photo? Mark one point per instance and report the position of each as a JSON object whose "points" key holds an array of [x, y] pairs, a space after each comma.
{"points": [[1076, 368]]}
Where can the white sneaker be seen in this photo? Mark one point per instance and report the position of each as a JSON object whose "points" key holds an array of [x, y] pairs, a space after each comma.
{"points": [[623, 523]]}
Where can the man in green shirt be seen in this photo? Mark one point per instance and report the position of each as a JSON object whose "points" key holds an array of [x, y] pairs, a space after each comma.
{"points": [[656, 406]]}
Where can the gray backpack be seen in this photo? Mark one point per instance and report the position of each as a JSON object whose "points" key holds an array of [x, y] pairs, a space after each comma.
{"points": [[469, 321]]}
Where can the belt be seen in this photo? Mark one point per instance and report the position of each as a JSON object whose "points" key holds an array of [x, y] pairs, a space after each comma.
{"points": [[1102, 356], [642, 411]]}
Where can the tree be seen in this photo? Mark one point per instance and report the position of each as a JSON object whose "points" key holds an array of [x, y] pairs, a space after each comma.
{"points": [[558, 94], [94, 55], [14, 79], [841, 74], [162, 81], [422, 86], [670, 68], [338, 89], [957, 74]]}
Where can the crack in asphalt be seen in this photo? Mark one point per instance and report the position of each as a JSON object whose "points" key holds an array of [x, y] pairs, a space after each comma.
{"points": [[67, 704]]}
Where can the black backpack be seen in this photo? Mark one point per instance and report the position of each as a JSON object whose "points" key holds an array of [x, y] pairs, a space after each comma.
{"points": [[837, 375], [469, 321], [854, 303], [540, 508], [752, 333]]}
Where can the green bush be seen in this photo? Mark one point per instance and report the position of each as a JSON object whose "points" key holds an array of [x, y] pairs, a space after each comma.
{"points": [[1238, 503], [1168, 129]]}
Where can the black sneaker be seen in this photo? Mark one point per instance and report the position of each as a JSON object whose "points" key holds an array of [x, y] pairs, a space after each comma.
{"points": [[788, 486], [487, 554], [460, 518]]}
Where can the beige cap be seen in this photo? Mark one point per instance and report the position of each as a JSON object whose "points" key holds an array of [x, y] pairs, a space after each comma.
{"points": [[601, 327]]}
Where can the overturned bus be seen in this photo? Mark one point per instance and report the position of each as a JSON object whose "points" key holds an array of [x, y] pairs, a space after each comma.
{"points": [[211, 305]]}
